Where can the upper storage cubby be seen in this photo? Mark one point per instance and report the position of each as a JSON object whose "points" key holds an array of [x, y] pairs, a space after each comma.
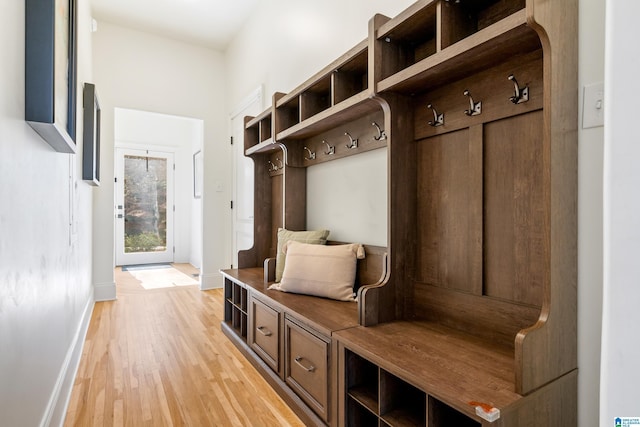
{"points": [[258, 136], [336, 95], [462, 18], [351, 78], [435, 42], [409, 38], [315, 99]]}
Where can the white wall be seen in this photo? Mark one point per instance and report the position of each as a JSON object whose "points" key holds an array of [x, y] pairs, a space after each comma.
{"points": [[287, 41], [195, 253], [145, 72], [590, 152], [620, 378], [45, 264], [350, 201], [178, 135]]}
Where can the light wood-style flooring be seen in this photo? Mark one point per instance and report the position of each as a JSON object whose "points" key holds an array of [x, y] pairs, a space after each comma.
{"points": [[158, 358]]}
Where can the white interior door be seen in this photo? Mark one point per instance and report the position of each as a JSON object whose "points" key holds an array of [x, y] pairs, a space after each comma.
{"points": [[243, 182], [144, 207]]}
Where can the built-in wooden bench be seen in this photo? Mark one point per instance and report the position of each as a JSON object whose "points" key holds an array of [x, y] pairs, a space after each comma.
{"points": [[288, 336], [414, 371], [468, 316]]}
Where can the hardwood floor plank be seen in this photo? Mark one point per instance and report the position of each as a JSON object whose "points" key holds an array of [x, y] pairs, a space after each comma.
{"points": [[157, 357]]}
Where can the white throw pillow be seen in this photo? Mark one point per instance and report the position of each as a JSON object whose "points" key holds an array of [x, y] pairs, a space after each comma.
{"points": [[323, 271]]}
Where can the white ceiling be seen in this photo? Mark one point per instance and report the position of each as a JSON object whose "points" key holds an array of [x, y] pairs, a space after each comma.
{"points": [[211, 23]]}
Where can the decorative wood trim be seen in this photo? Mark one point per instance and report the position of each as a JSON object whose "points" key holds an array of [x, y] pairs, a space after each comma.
{"points": [[549, 348]]}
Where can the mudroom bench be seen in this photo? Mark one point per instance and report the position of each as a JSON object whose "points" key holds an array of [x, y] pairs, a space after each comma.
{"points": [[467, 315], [288, 337]]}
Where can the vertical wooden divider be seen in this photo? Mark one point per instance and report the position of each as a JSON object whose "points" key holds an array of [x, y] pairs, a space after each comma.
{"points": [[475, 226]]}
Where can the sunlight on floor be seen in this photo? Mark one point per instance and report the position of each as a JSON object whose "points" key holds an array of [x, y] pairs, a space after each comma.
{"points": [[160, 276]]}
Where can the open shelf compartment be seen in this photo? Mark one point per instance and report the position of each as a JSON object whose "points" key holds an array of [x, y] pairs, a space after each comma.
{"points": [[460, 19], [315, 99], [441, 414], [338, 88], [401, 404], [258, 135], [409, 38], [478, 52], [235, 307], [362, 381], [351, 78]]}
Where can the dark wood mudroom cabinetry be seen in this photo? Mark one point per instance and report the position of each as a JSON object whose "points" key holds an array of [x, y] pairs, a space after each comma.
{"points": [[468, 316]]}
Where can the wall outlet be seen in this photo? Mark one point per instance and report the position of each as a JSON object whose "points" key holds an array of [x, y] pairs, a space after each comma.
{"points": [[593, 106]]}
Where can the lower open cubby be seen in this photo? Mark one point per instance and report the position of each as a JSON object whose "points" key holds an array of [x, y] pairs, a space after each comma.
{"points": [[377, 397], [235, 310]]}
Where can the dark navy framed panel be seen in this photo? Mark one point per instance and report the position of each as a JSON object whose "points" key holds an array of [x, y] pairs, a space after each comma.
{"points": [[91, 135], [51, 71]]}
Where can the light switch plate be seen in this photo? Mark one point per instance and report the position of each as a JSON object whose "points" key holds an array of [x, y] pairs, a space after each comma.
{"points": [[593, 106]]}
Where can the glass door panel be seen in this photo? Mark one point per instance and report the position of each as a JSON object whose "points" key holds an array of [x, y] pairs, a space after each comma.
{"points": [[144, 207]]}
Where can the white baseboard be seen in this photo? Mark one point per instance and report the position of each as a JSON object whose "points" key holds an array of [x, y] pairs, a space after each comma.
{"points": [[210, 281], [59, 401], [104, 291]]}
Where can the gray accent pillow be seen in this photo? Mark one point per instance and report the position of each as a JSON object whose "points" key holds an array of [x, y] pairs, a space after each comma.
{"points": [[315, 237]]}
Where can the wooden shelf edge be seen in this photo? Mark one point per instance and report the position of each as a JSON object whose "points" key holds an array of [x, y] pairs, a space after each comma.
{"points": [[263, 147], [402, 417], [366, 398], [346, 110], [254, 121], [508, 28], [326, 71]]}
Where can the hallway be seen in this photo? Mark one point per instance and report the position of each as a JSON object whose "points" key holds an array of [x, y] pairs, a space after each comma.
{"points": [[157, 357]]}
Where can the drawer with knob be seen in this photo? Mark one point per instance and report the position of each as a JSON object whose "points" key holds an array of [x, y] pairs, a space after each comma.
{"points": [[307, 366], [264, 337]]}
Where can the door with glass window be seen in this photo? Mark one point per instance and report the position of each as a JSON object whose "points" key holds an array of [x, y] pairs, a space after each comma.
{"points": [[144, 207]]}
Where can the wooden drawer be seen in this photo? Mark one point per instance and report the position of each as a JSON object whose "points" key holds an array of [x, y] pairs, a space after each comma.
{"points": [[307, 366], [264, 337]]}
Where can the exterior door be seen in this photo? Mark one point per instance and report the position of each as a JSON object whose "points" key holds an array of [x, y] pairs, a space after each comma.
{"points": [[144, 207]]}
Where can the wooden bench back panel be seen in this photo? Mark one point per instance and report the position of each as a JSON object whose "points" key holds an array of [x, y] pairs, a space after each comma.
{"points": [[372, 269], [492, 319], [482, 253]]}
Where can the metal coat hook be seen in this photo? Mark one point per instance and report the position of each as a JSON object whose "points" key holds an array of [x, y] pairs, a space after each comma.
{"points": [[353, 143], [475, 108], [312, 154], [272, 166], [521, 94], [438, 119], [381, 135], [331, 149]]}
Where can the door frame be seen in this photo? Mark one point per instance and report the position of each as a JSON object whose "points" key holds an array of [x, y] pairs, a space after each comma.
{"points": [[251, 105]]}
